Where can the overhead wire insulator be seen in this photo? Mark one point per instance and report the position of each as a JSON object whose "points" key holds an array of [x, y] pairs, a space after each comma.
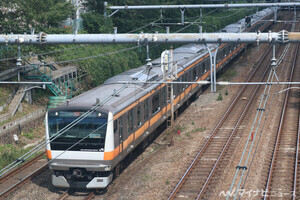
{"points": [[42, 38], [283, 36]]}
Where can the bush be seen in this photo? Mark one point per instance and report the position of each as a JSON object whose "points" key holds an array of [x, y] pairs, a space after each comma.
{"points": [[220, 97]]}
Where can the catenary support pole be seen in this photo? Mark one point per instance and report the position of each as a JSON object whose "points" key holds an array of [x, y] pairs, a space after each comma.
{"points": [[215, 67], [211, 68]]}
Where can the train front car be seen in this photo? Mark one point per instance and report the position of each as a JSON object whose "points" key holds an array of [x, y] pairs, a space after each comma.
{"points": [[76, 155]]}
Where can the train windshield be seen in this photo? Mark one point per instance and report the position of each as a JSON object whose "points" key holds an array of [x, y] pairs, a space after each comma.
{"points": [[86, 135]]}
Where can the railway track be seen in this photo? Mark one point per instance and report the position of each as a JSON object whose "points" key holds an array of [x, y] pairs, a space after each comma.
{"points": [[283, 178], [194, 183], [21, 175], [69, 195]]}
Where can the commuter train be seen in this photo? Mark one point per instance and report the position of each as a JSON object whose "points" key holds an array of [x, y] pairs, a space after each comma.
{"points": [[90, 153]]}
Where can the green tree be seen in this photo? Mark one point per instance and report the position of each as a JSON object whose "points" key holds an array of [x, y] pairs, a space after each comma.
{"points": [[96, 23], [19, 16]]}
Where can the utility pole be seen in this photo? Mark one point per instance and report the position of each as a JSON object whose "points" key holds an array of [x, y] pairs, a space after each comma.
{"points": [[169, 74], [76, 16]]}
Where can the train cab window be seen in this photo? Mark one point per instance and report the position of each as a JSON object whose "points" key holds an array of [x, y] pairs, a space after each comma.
{"points": [[155, 104], [130, 121], [139, 118], [89, 132], [146, 109]]}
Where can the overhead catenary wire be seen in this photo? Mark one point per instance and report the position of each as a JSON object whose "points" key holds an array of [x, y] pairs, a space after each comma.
{"points": [[87, 45], [262, 105], [63, 130], [79, 59], [49, 161], [71, 48], [264, 97], [66, 128]]}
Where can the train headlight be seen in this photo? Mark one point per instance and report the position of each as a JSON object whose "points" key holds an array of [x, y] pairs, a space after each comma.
{"points": [[107, 168], [56, 113], [99, 114]]}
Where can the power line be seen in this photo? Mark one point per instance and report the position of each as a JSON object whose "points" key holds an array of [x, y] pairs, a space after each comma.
{"points": [[62, 131], [89, 57]]}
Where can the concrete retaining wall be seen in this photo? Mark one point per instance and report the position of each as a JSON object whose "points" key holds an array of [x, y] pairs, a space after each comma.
{"points": [[31, 120]]}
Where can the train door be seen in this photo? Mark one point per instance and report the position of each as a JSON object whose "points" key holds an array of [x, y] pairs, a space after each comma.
{"points": [[164, 100], [120, 134]]}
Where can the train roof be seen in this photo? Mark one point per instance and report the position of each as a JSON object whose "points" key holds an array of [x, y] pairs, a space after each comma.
{"points": [[184, 55]]}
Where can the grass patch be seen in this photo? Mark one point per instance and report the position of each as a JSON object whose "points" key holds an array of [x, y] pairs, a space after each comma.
{"points": [[201, 129], [220, 87], [180, 127], [196, 130], [167, 182], [229, 74], [9, 153], [4, 122], [28, 135], [188, 134], [5, 93]]}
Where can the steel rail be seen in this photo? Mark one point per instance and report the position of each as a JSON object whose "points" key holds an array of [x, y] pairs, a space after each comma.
{"points": [[90, 196], [63, 195], [66, 194], [280, 129], [13, 172], [22, 182], [232, 133], [172, 195], [296, 161]]}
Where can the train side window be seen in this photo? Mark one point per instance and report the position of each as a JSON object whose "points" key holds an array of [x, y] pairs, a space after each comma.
{"points": [[220, 55], [195, 74], [146, 109], [203, 68], [180, 87], [207, 65], [139, 118], [164, 95], [155, 103], [129, 121], [186, 78], [198, 70], [115, 126]]}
